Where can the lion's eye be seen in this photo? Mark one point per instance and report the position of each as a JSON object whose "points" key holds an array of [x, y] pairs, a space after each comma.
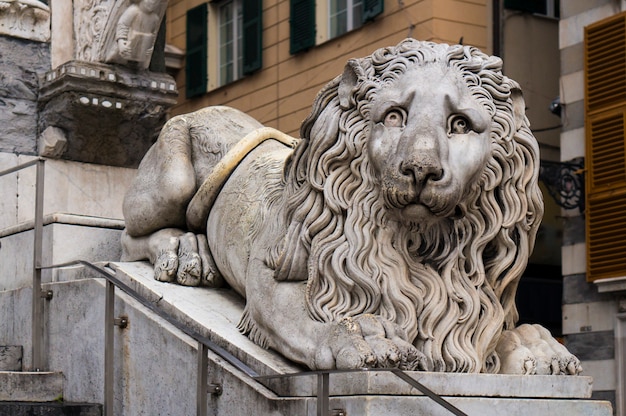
{"points": [[394, 118], [459, 125]]}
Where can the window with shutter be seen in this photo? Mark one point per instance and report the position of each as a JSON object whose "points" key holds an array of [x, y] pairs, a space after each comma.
{"points": [[230, 41], [196, 55], [371, 9], [301, 25], [543, 7], [605, 115], [252, 35]]}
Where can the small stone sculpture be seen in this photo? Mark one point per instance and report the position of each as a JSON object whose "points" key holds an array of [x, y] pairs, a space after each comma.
{"points": [[134, 32], [394, 235]]}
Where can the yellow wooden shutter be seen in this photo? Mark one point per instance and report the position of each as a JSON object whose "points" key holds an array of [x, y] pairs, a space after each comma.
{"points": [[605, 121]]}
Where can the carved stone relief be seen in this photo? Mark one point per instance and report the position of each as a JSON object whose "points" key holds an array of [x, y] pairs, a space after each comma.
{"points": [[90, 18], [120, 32], [28, 19], [131, 31]]}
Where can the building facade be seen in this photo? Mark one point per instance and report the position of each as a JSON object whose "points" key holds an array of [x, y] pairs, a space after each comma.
{"points": [[299, 54], [592, 43]]}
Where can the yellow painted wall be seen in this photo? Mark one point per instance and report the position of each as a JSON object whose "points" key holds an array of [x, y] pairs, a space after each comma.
{"points": [[281, 93]]}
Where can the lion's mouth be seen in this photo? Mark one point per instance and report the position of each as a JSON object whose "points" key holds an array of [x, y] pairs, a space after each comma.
{"points": [[424, 207]]}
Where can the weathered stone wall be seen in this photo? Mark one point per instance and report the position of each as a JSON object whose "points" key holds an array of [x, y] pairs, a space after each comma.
{"points": [[21, 64]]}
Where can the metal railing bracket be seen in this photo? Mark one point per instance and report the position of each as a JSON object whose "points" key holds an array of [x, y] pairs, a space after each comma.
{"points": [[122, 322], [215, 388]]}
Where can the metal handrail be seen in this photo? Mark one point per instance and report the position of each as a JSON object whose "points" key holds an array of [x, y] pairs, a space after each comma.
{"points": [[204, 343], [37, 295]]}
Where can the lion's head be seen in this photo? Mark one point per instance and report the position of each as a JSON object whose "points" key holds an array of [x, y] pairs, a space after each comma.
{"points": [[414, 196]]}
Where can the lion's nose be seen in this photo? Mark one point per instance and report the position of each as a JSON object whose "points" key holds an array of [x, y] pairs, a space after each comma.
{"points": [[422, 171]]}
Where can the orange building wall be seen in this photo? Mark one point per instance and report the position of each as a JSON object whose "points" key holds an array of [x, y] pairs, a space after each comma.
{"points": [[281, 93]]}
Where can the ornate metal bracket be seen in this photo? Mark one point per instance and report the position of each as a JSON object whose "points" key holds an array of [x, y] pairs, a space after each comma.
{"points": [[565, 182]]}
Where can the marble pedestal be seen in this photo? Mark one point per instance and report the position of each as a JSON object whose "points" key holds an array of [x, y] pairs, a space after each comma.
{"points": [[214, 313]]}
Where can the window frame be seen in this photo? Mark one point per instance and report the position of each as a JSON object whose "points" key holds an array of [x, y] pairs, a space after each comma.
{"points": [[235, 39], [312, 25], [252, 50], [349, 19], [551, 7]]}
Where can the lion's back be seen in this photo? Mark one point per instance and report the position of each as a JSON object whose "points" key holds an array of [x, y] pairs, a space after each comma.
{"points": [[213, 131]]}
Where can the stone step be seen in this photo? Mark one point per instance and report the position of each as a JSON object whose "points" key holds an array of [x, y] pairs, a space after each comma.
{"points": [[49, 409], [26, 386], [11, 358]]}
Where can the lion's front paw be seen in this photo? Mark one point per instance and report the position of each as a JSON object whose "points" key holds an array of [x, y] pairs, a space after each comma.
{"points": [[531, 349], [367, 341], [183, 258]]}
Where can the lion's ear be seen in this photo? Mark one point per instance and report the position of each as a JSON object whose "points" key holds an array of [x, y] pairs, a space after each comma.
{"points": [[349, 81], [519, 107]]}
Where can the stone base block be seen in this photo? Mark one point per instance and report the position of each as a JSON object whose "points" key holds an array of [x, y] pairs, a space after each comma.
{"points": [[18, 386], [155, 362], [110, 115], [215, 313], [50, 409]]}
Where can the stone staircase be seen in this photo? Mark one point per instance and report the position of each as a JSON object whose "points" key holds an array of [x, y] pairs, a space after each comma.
{"points": [[27, 393]]}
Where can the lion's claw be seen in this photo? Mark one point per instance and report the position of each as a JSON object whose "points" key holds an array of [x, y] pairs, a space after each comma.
{"points": [[367, 341], [531, 349], [165, 266]]}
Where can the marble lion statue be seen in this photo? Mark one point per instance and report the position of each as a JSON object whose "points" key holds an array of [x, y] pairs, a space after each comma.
{"points": [[393, 233]]}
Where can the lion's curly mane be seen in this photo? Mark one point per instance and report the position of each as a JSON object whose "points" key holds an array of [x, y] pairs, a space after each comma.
{"points": [[452, 286]]}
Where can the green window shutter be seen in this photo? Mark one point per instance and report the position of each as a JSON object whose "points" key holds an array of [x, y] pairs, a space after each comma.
{"points": [[529, 6], [372, 8], [196, 55], [252, 35], [302, 25]]}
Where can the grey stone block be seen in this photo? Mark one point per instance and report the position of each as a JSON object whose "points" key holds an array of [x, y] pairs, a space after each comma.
{"points": [[572, 8], [50, 409], [573, 115], [572, 59], [574, 229], [592, 345], [11, 358], [16, 386], [18, 118], [605, 395], [576, 289], [21, 64]]}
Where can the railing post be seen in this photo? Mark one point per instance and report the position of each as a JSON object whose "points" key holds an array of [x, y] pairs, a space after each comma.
{"points": [[37, 300], [323, 391], [202, 382], [109, 326]]}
